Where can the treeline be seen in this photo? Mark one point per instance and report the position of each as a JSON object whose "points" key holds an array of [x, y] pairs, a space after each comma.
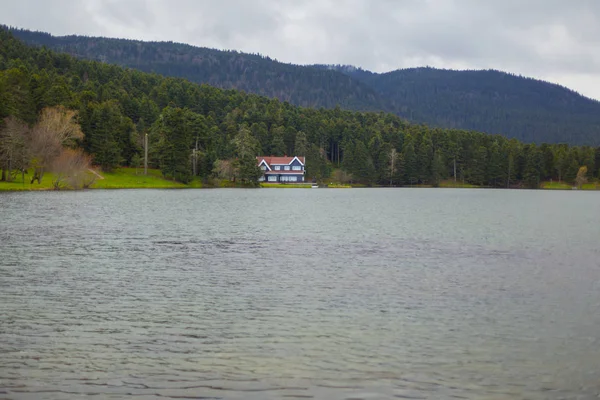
{"points": [[193, 128], [529, 110]]}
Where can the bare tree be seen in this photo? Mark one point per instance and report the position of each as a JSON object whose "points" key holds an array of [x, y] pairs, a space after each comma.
{"points": [[342, 176], [72, 170], [55, 129], [13, 148], [581, 178], [224, 169]]}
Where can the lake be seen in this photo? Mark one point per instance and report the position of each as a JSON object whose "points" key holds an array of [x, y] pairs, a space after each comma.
{"points": [[325, 294]]}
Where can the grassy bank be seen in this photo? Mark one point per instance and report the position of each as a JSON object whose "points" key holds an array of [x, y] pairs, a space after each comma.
{"points": [[19, 184], [458, 184], [126, 178], [566, 186], [122, 178], [130, 178]]}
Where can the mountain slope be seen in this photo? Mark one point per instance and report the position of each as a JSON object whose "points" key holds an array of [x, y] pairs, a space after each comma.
{"points": [[119, 107], [485, 101], [304, 86], [490, 101]]}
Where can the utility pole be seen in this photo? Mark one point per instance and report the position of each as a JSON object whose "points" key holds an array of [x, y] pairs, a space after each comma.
{"points": [[508, 175], [393, 159], [196, 158], [454, 169], [194, 162], [146, 154]]}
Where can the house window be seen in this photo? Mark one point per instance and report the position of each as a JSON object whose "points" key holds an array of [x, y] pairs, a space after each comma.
{"points": [[287, 167], [277, 168], [272, 178], [297, 168], [263, 167], [293, 179]]}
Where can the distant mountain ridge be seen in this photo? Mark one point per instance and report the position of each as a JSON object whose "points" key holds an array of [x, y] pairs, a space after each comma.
{"points": [[304, 86], [488, 101]]}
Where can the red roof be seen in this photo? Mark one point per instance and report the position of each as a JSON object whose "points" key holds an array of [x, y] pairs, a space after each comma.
{"points": [[281, 172], [278, 160]]}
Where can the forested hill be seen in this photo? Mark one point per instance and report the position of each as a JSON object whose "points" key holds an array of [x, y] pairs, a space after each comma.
{"points": [[299, 85], [489, 101], [206, 131], [486, 101]]}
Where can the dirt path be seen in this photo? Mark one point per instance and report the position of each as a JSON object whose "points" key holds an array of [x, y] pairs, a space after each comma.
{"points": [[95, 173]]}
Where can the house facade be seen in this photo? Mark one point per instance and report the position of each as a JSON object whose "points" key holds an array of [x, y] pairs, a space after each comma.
{"points": [[281, 169]]}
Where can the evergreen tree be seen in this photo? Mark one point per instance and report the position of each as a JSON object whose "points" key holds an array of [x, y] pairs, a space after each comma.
{"points": [[496, 171], [349, 162], [548, 161], [410, 161], [246, 145], [260, 132], [277, 143], [301, 144], [317, 166], [399, 173], [425, 158], [476, 174], [437, 168], [248, 170], [533, 167], [362, 168], [597, 162], [572, 165], [101, 135], [175, 143], [561, 162]]}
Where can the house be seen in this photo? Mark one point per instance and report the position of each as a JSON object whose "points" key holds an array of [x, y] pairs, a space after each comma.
{"points": [[281, 169]]}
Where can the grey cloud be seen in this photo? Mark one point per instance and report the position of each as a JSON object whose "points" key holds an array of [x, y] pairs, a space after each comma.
{"points": [[552, 39]]}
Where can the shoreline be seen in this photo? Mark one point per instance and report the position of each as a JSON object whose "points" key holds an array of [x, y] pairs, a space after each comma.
{"points": [[130, 178], [176, 186]]}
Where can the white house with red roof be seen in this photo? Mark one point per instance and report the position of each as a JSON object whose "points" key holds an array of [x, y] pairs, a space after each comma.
{"points": [[281, 169]]}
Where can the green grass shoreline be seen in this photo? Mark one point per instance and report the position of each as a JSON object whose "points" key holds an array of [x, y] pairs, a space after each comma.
{"points": [[129, 178]]}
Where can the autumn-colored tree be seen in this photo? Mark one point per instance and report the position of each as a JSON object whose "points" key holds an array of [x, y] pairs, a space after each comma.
{"points": [[72, 170], [342, 176], [55, 129], [581, 178]]}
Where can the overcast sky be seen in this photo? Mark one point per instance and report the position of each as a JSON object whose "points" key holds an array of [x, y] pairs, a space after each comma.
{"points": [[554, 40]]}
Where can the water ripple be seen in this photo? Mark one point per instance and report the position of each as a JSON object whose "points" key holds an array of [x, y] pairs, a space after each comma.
{"points": [[345, 295]]}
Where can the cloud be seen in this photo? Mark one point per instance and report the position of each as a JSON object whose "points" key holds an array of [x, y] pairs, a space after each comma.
{"points": [[548, 39]]}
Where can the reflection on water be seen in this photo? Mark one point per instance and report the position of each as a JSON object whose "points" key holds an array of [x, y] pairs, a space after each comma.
{"points": [[267, 294]]}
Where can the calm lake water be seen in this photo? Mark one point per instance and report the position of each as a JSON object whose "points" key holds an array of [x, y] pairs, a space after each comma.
{"points": [[326, 294]]}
